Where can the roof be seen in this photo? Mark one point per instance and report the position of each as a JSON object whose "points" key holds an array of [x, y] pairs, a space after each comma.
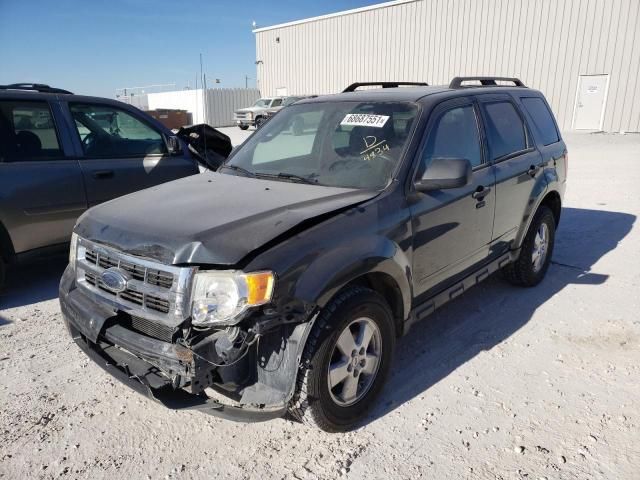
{"points": [[411, 94], [27, 94], [331, 15]]}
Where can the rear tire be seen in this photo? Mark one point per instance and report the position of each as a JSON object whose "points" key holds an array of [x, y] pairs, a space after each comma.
{"points": [[259, 121], [345, 362], [535, 255], [243, 127]]}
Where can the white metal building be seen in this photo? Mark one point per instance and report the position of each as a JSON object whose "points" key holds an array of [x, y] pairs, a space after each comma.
{"points": [[583, 54]]}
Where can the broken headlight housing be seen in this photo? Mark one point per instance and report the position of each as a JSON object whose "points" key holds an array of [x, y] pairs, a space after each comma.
{"points": [[222, 297]]}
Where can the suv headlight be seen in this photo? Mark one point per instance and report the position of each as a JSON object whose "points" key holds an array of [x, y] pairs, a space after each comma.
{"points": [[221, 298], [73, 250]]}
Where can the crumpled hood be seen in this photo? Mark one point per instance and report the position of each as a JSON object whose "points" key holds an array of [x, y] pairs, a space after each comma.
{"points": [[210, 218]]}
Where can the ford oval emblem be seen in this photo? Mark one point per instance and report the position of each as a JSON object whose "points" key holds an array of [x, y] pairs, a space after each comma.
{"points": [[114, 279]]}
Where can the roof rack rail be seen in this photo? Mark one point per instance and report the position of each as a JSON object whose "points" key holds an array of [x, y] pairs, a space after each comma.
{"points": [[354, 86], [35, 87], [484, 81]]}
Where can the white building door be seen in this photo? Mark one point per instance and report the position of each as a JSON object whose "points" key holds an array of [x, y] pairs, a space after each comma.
{"points": [[590, 102]]}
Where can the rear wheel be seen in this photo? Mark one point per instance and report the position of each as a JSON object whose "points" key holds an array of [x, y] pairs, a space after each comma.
{"points": [[243, 127], [535, 255], [259, 122], [346, 361]]}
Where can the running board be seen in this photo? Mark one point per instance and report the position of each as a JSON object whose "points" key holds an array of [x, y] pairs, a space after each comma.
{"points": [[429, 306]]}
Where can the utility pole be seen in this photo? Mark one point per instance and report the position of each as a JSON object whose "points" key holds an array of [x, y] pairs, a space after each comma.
{"points": [[246, 81]]}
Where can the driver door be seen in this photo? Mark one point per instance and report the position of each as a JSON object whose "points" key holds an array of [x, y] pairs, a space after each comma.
{"points": [[452, 228], [122, 152]]}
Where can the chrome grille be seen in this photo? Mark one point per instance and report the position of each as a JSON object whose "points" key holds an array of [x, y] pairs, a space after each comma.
{"points": [[156, 292]]}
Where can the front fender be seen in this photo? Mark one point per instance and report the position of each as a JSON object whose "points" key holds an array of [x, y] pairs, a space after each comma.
{"points": [[330, 272]]}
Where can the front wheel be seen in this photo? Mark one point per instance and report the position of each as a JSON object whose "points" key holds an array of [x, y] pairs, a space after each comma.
{"points": [[345, 362], [535, 255]]}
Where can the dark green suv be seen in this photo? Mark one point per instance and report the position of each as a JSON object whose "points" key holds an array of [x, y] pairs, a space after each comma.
{"points": [[279, 284]]}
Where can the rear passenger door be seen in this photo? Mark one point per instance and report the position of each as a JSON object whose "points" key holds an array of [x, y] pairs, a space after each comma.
{"points": [[452, 227], [517, 163], [41, 188], [122, 152]]}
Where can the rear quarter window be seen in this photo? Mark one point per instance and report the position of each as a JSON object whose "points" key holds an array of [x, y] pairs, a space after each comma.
{"points": [[544, 128]]}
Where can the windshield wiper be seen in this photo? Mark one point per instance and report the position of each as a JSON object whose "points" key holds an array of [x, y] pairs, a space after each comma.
{"points": [[236, 168], [289, 176]]}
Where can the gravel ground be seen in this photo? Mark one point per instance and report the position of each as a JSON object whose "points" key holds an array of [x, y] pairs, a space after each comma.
{"points": [[502, 383]]}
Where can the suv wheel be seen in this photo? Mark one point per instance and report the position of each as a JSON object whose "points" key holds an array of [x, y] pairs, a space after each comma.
{"points": [[532, 264], [345, 362]]}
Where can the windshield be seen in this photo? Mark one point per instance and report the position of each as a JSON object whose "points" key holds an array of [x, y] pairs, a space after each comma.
{"points": [[262, 102], [339, 144]]}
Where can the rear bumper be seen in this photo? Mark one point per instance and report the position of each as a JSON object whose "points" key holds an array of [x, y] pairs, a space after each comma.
{"points": [[151, 367]]}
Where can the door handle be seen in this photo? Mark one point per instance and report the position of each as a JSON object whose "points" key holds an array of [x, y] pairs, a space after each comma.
{"points": [[533, 170], [102, 174], [481, 192]]}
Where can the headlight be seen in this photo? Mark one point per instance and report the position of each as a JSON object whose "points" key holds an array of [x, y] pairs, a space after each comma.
{"points": [[73, 249], [221, 298]]}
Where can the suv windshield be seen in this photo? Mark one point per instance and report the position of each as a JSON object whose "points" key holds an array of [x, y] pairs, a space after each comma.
{"points": [[262, 102], [339, 144]]}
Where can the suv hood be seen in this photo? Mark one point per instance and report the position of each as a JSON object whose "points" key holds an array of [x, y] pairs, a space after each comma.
{"points": [[210, 218]]}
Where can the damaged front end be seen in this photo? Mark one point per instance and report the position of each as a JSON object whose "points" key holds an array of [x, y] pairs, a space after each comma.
{"points": [[134, 318]]}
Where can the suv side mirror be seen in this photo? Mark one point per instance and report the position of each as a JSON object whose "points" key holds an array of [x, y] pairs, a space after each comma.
{"points": [[443, 173]]}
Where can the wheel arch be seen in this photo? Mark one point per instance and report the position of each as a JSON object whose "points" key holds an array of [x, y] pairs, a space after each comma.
{"points": [[551, 199]]}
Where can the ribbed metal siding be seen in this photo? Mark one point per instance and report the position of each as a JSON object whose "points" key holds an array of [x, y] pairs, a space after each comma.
{"points": [[546, 43]]}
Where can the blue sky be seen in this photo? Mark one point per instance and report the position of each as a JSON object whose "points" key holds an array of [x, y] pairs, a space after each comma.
{"points": [[93, 46]]}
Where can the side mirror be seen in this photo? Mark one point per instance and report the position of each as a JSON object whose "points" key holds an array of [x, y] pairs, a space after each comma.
{"points": [[443, 173], [173, 145]]}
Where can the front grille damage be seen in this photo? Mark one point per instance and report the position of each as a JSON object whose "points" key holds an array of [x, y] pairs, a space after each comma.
{"points": [[149, 339]]}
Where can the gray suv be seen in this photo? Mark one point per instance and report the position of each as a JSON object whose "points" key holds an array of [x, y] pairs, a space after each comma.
{"points": [[62, 153]]}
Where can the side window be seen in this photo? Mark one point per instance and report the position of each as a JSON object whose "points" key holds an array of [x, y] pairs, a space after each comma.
{"points": [[505, 130], [544, 127], [107, 131], [27, 132], [454, 135], [277, 102]]}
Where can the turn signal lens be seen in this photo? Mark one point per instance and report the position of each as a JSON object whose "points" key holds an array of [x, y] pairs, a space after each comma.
{"points": [[259, 287]]}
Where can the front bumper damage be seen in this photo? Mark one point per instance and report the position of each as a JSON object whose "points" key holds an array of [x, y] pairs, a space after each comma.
{"points": [[258, 387]]}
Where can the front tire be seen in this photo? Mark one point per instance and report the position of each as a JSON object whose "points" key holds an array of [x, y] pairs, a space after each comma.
{"points": [[537, 248], [345, 362]]}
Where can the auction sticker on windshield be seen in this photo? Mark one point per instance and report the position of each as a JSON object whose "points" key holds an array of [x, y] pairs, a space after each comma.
{"points": [[364, 120]]}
